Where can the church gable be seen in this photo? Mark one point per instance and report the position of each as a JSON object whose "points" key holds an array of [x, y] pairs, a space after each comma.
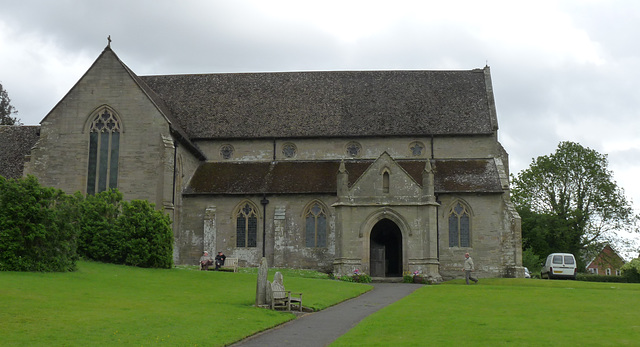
{"points": [[107, 82], [109, 131], [384, 180]]}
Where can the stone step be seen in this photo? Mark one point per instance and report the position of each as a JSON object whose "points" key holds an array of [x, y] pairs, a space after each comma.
{"points": [[386, 279]]}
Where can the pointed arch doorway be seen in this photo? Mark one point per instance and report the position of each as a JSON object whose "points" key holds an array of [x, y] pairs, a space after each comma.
{"points": [[385, 249]]}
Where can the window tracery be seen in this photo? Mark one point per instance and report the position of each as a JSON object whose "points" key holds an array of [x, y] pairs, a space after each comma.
{"points": [[354, 149], [316, 225], [289, 150], [226, 151], [416, 148], [104, 150], [246, 226]]}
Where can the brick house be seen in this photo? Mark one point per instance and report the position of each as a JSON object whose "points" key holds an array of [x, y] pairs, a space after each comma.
{"points": [[606, 263]]}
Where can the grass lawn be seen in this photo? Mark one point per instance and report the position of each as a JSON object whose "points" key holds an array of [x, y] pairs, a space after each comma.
{"points": [[107, 305], [103, 304], [500, 312]]}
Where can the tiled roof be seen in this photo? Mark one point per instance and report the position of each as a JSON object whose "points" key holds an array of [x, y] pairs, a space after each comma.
{"points": [[15, 143], [319, 177], [328, 104]]}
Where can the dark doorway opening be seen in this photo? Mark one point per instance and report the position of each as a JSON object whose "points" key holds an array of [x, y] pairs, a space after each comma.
{"points": [[386, 250]]}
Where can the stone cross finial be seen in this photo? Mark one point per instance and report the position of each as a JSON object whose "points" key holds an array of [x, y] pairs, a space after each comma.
{"points": [[109, 41]]}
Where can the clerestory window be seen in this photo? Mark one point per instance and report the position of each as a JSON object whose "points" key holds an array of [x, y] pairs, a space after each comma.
{"points": [[246, 226], [459, 226], [316, 225], [104, 149]]}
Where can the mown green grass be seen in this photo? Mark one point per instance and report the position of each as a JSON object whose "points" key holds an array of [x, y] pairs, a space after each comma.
{"points": [[107, 305], [500, 312]]}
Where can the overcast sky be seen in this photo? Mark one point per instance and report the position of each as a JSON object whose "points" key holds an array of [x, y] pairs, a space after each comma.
{"points": [[561, 70]]}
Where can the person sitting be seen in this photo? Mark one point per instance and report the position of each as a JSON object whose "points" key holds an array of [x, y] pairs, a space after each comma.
{"points": [[205, 261], [220, 260]]}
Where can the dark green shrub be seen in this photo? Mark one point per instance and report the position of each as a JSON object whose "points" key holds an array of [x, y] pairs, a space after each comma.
{"points": [[601, 278], [531, 261], [100, 240], [120, 232], [149, 238], [631, 271], [37, 227], [43, 229]]}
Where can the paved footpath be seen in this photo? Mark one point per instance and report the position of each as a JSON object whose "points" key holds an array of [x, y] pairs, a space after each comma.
{"points": [[323, 327]]}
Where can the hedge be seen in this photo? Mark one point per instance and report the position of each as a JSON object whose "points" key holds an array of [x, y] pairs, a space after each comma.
{"points": [[44, 229]]}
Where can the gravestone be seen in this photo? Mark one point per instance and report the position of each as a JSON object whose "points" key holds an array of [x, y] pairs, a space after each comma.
{"points": [[261, 286]]}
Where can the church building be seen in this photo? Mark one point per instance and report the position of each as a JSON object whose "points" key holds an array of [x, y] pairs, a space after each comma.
{"points": [[386, 172]]}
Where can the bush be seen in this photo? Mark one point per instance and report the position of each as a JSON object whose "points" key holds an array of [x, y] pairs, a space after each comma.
{"points": [[357, 276], [600, 278], [149, 238], [37, 227], [631, 271], [100, 240], [415, 277], [129, 233], [531, 261], [43, 229]]}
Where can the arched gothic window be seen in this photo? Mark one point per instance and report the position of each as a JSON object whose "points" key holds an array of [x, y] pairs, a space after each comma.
{"points": [[246, 226], [316, 225], [104, 149], [459, 226]]}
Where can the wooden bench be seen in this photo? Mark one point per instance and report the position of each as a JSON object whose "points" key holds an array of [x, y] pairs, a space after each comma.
{"points": [[279, 297], [230, 264]]}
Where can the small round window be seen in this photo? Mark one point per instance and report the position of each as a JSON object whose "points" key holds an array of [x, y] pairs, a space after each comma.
{"points": [[289, 150], [416, 148], [226, 151], [353, 149]]}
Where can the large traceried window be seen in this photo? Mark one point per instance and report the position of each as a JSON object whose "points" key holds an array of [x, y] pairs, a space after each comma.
{"points": [[246, 226], [459, 226], [104, 149], [316, 225]]}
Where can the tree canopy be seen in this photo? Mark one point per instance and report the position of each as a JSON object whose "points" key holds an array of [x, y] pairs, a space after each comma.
{"points": [[6, 109], [569, 202]]}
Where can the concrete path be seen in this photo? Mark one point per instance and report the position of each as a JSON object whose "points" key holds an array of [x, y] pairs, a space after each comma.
{"points": [[323, 327]]}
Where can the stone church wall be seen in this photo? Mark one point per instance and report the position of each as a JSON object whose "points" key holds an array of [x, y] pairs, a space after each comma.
{"points": [[208, 223], [490, 238], [335, 149]]}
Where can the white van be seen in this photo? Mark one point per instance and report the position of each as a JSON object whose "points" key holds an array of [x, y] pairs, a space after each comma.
{"points": [[559, 265]]}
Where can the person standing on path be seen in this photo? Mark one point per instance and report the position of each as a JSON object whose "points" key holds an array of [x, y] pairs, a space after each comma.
{"points": [[468, 268]]}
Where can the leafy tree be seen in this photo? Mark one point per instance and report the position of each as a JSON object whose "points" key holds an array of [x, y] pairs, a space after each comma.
{"points": [[6, 110], [631, 271], [531, 261], [569, 202]]}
